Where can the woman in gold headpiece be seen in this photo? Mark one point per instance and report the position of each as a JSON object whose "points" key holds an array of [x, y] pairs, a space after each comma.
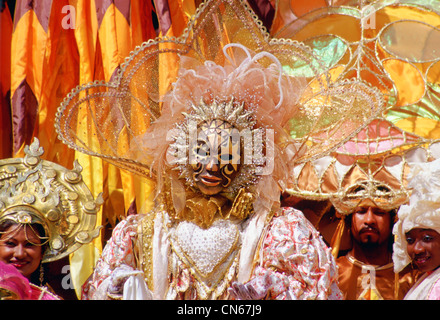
{"points": [[46, 213]]}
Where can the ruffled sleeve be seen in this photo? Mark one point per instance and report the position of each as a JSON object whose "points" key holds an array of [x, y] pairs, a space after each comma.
{"points": [[118, 253], [295, 262], [434, 294]]}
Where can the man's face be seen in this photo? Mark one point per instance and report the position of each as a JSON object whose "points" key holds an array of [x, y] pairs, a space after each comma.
{"points": [[216, 156], [371, 226], [423, 246]]}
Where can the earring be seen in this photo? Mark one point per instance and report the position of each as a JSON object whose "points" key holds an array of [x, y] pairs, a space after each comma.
{"points": [[41, 274]]}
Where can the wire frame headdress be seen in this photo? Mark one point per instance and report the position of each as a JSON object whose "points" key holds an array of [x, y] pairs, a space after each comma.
{"points": [[393, 47], [108, 119], [33, 190]]}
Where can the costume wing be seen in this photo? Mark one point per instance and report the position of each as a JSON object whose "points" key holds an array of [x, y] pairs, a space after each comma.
{"points": [[393, 48]]}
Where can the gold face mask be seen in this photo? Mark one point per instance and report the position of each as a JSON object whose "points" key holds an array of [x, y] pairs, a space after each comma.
{"points": [[215, 156]]}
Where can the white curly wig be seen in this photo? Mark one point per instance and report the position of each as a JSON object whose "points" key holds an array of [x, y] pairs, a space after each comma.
{"points": [[422, 211]]}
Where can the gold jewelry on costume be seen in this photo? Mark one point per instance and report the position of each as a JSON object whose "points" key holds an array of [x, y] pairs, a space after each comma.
{"points": [[204, 210], [22, 217], [41, 274], [145, 245], [360, 264], [6, 294], [33, 190]]}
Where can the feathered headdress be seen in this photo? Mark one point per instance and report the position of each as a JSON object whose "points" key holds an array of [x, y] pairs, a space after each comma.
{"points": [[224, 56]]}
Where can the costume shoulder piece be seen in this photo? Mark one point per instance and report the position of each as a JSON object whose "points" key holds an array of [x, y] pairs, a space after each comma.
{"points": [[33, 190]]}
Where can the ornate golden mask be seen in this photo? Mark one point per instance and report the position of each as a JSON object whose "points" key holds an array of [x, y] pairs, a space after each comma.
{"points": [[216, 154]]}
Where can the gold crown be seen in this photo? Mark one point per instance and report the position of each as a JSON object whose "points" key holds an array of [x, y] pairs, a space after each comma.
{"points": [[360, 171], [33, 190]]}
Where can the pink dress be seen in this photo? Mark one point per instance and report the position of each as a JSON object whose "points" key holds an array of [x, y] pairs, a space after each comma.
{"points": [[293, 262], [435, 291]]}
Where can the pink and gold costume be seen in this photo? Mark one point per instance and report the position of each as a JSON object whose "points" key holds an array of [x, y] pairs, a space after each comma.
{"points": [[292, 261]]}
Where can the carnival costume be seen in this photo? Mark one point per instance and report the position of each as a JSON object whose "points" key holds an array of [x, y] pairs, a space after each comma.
{"points": [[14, 286], [230, 80], [391, 46], [422, 211], [37, 191]]}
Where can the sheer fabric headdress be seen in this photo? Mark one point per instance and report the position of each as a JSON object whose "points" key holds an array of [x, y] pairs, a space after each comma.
{"points": [[421, 211], [224, 57]]}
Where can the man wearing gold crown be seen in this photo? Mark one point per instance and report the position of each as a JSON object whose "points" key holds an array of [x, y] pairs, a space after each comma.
{"points": [[366, 271]]}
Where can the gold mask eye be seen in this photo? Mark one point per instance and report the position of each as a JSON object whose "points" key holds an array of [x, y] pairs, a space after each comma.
{"points": [[228, 169], [197, 167]]}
